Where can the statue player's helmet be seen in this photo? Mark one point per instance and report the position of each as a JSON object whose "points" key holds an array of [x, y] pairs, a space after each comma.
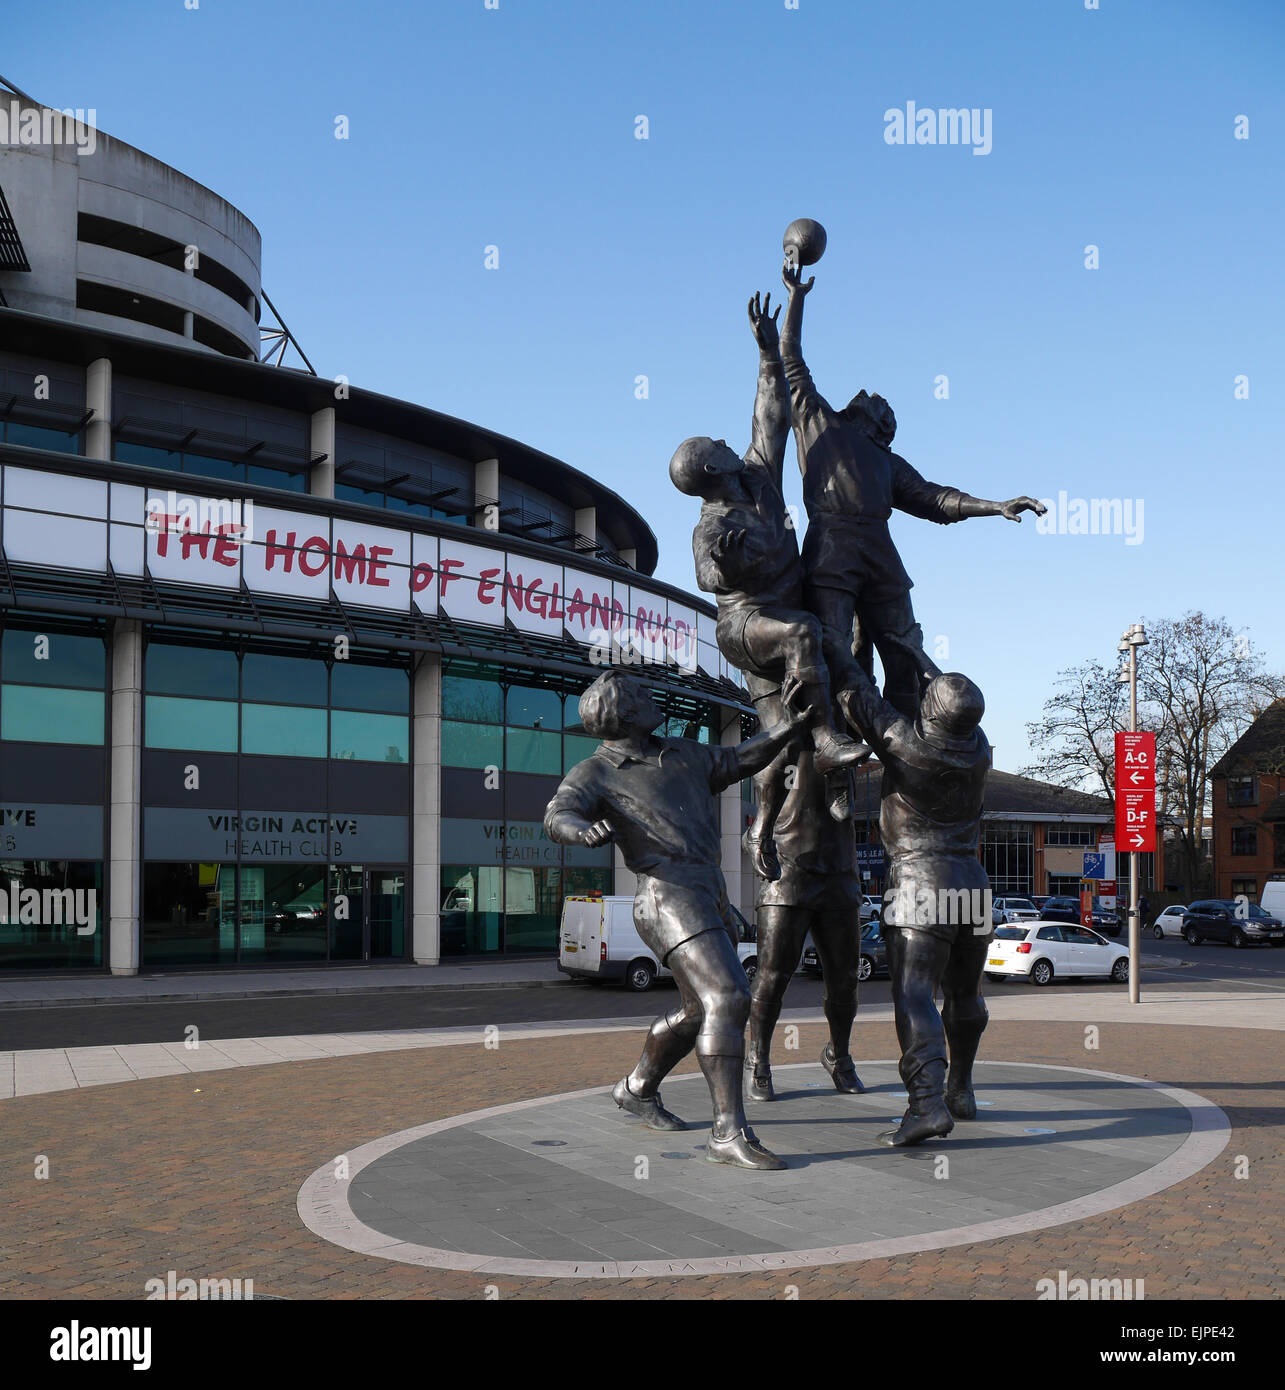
{"points": [[953, 703]]}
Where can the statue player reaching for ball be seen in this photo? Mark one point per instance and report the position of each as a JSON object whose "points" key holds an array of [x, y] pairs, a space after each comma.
{"points": [[657, 799], [747, 555]]}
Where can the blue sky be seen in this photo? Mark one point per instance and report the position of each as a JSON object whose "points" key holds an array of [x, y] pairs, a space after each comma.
{"points": [[621, 257]]}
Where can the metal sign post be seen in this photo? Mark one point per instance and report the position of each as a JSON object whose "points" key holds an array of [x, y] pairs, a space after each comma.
{"points": [[1135, 799]]}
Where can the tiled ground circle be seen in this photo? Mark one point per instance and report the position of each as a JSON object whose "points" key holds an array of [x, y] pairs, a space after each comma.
{"points": [[488, 1192]]}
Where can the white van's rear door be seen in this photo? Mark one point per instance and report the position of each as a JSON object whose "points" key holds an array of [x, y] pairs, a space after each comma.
{"points": [[580, 940]]}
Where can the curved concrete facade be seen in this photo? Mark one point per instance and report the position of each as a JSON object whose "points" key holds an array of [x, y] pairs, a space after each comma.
{"points": [[73, 195]]}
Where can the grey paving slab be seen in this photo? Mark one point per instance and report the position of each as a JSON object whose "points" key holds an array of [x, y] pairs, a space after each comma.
{"points": [[495, 1184]]}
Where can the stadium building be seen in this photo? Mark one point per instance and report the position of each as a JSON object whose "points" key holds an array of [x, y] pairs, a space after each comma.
{"points": [[289, 669]]}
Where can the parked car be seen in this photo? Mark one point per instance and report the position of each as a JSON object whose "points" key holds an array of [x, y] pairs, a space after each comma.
{"points": [[597, 940], [871, 908], [1240, 924], [1039, 901], [874, 955], [1171, 922], [1016, 909], [1045, 951], [1068, 910]]}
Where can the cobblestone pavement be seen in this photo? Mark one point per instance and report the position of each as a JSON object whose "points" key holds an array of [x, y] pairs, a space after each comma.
{"points": [[199, 1173]]}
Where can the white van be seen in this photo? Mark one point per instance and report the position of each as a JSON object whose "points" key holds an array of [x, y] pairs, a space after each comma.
{"points": [[1273, 899], [598, 941]]}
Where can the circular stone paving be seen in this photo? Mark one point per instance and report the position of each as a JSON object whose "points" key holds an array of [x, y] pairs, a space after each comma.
{"points": [[568, 1185]]}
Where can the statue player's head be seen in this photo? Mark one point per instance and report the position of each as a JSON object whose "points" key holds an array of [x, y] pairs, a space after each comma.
{"points": [[703, 467], [952, 704], [617, 704], [874, 415]]}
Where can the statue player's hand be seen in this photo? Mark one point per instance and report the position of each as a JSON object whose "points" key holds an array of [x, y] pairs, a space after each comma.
{"points": [[599, 833], [765, 330], [794, 714], [729, 543], [1015, 506], [793, 276]]}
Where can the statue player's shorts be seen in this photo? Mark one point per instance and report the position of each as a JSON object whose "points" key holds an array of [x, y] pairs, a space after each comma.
{"points": [[667, 913]]}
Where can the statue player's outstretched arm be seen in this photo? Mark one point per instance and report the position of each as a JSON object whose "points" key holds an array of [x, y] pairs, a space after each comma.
{"points": [[807, 405], [770, 430], [912, 493], [875, 717]]}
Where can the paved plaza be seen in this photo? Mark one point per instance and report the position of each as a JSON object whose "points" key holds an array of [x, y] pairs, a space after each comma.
{"points": [[328, 1166]]}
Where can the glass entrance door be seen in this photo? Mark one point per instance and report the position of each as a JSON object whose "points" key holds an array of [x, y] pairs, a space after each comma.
{"points": [[347, 912], [386, 896]]}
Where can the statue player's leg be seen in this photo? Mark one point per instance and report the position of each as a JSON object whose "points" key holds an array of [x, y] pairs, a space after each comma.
{"points": [[895, 615], [669, 1040], [837, 934], [769, 795], [916, 962], [781, 932], [965, 1017], [708, 967]]}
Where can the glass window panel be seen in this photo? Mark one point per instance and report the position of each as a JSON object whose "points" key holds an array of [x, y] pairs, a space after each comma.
{"points": [[214, 468], [472, 745], [289, 680], [265, 476], [173, 669], [55, 941], [147, 454], [283, 732], [67, 659], [472, 908], [576, 748], [205, 725], [372, 738], [189, 914], [533, 899], [283, 912], [368, 496], [530, 708], [532, 750], [354, 686], [466, 697], [46, 714], [35, 437]]}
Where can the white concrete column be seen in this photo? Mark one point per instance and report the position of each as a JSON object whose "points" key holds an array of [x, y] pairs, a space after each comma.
{"points": [[426, 821], [732, 817], [189, 322], [98, 398], [626, 881], [486, 489], [125, 824], [629, 556], [586, 522], [321, 440]]}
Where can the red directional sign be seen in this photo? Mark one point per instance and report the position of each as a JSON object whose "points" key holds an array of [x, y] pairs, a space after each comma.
{"points": [[1135, 821], [1135, 792], [1135, 762]]}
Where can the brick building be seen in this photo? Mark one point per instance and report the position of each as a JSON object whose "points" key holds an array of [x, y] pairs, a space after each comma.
{"points": [[1248, 793]]}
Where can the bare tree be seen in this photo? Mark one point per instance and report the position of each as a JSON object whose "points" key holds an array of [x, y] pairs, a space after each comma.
{"points": [[1075, 739], [1201, 685]]}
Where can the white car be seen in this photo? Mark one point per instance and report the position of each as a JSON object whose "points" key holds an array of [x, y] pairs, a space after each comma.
{"points": [[1044, 951], [1016, 909], [1171, 922]]}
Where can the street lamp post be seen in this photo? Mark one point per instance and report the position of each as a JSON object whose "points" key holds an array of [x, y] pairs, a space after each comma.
{"points": [[1133, 638]]}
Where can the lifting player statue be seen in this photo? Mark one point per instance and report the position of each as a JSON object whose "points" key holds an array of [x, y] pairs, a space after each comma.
{"points": [[657, 799]]}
